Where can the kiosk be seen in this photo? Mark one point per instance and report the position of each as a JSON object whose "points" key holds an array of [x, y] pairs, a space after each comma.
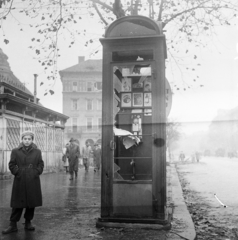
{"points": [[133, 186]]}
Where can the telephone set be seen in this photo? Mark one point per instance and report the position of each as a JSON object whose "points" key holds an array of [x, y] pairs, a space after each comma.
{"points": [[137, 125]]}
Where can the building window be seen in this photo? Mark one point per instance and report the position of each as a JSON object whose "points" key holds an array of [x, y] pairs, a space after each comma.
{"points": [[99, 104], [74, 104], [82, 86], [89, 86], [66, 87], [74, 124], [89, 105], [98, 86], [75, 86], [99, 123], [89, 124]]}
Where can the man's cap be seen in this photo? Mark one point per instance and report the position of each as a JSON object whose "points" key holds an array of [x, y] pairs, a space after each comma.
{"points": [[27, 133]]}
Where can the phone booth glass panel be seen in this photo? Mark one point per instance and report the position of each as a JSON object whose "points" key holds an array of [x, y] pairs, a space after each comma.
{"points": [[133, 131], [132, 166]]}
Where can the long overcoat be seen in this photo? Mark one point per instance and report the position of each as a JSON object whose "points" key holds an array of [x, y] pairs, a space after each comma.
{"points": [[73, 153], [97, 157], [26, 166]]}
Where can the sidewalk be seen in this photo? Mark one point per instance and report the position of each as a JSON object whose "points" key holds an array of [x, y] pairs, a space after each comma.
{"points": [[182, 223], [71, 209]]}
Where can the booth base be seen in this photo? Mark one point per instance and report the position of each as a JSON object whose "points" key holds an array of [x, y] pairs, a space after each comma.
{"points": [[155, 224]]}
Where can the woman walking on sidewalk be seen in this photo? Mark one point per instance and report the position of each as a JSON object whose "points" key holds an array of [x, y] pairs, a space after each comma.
{"points": [[65, 159], [26, 165]]}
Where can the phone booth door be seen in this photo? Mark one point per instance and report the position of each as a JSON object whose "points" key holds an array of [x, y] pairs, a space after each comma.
{"points": [[132, 185]]}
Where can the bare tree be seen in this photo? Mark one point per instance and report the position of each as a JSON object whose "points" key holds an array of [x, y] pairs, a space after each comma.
{"points": [[184, 22], [173, 134]]}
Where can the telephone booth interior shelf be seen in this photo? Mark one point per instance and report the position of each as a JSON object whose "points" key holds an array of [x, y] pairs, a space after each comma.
{"points": [[133, 186]]}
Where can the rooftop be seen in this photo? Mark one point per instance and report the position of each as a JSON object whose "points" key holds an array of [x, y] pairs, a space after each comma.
{"points": [[91, 65], [7, 76]]}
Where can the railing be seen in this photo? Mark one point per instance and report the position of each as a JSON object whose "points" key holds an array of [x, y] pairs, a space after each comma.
{"points": [[47, 138]]}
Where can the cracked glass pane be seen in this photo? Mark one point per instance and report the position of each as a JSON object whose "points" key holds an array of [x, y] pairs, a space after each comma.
{"points": [[132, 114]]}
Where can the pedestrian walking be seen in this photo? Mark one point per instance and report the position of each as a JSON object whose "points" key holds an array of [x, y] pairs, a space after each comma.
{"points": [[87, 151], [73, 153], [26, 165], [65, 159], [197, 154], [181, 156], [97, 157]]}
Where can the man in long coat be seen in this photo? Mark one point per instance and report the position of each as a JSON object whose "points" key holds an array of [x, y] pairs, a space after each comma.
{"points": [[73, 153], [87, 151], [26, 165], [97, 157]]}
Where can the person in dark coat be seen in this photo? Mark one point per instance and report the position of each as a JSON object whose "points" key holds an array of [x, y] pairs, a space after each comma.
{"points": [[26, 165], [73, 153], [97, 157], [181, 156], [87, 151]]}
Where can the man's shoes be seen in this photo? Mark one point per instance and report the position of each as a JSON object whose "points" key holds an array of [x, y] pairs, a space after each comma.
{"points": [[28, 226], [12, 228]]}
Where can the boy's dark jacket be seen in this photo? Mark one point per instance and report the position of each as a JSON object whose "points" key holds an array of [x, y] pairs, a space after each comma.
{"points": [[26, 166]]}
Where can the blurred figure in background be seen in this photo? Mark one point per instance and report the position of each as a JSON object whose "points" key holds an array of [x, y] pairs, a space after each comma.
{"points": [[87, 151], [97, 157], [181, 156], [197, 154], [65, 159], [73, 153]]}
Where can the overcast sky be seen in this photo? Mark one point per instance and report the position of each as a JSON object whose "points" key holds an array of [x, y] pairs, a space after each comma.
{"points": [[218, 73]]}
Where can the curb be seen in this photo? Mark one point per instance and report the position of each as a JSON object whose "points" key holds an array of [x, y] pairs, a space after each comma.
{"points": [[180, 211]]}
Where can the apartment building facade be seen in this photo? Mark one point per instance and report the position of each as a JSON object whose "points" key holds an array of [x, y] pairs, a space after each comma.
{"points": [[82, 100]]}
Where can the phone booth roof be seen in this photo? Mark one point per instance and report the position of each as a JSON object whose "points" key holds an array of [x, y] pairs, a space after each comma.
{"points": [[133, 26]]}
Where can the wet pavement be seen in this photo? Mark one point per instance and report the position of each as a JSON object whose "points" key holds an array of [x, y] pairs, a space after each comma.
{"points": [[67, 205], [70, 211]]}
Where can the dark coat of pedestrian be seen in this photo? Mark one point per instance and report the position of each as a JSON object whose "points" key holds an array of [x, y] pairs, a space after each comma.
{"points": [[73, 153], [87, 151], [26, 165], [97, 157], [181, 156]]}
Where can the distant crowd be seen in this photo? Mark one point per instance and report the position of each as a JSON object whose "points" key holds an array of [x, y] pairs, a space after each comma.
{"points": [[195, 157], [91, 155]]}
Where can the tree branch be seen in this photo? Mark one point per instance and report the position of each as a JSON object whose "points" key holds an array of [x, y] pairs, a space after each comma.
{"points": [[9, 10], [160, 10], [102, 4], [185, 11], [99, 14]]}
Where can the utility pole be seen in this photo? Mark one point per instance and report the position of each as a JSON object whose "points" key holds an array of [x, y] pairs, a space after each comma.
{"points": [[35, 87]]}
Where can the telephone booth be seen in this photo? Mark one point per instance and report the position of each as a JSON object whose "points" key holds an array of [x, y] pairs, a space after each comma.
{"points": [[133, 186]]}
